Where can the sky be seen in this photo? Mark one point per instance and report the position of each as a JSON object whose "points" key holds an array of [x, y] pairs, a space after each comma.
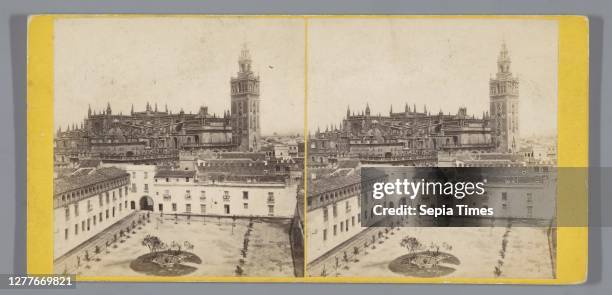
{"points": [[182, 62], [443, 63], [187, 62]]}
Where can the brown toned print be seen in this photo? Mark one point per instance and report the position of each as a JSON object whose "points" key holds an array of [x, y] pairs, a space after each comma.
{"points": [[431, 93], [178, 147]]}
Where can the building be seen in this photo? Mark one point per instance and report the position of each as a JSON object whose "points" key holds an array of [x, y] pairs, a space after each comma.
{"points": [[504, 93], [86, 203], [245, 105], [415, 137], [157, 137]]}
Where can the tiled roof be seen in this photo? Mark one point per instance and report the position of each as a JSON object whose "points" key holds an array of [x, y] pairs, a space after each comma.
{"points": [[89, 163], [175, 173], [75, 181], [327, 184]]}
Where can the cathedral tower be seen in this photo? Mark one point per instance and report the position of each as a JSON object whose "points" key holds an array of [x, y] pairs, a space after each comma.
{"points": [[504, 99], [246, 131]]}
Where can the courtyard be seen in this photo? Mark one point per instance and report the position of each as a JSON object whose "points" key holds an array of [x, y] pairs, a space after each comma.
{"points": [[216, 246], [469, 252]]}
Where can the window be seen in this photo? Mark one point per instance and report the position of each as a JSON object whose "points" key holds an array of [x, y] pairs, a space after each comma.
{"points": [[188, 208], [76, 229], [245, 195], [133, 175], [107, 198], [203, 208], [100, 217], [186, 179], [65, 234], [89, 206], [529, 198], [226, 196], [270, 210], [529, 211], [504, 196], [335, 209], [335, 229], [348, 207], [107, 215], [504, 207], [146, 175], [325, 235], [114, 197], [146, 187], [113, 211], [188, 194], [270, 197], [325, 214], [202, 195], [133, 187], [341, 226], [76, 209], [67, 213], [346, 224], [83, 225], [353, 221], [174, 207], [100, 200]]}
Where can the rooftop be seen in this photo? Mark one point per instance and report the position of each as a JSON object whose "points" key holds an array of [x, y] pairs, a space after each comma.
{"points": [[81, 179], [175, 173]]}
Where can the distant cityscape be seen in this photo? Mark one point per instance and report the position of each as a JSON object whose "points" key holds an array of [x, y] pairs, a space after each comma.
{"points": [[115, 171], [339, 237]]}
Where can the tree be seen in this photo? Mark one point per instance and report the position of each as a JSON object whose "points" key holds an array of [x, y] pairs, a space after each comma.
{"points": [[411, 243], [177, 246], [154, 243]]}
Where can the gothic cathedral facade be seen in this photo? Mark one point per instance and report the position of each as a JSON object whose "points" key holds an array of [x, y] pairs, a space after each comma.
{"points": [[504, 99]]}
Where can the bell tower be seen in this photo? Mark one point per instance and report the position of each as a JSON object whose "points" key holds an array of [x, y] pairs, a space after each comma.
{"points": [[504, 105], [246, 131]]}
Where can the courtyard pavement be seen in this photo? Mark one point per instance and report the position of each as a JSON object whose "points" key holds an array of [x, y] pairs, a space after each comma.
{"points": [[217, 241], [527, 253]]}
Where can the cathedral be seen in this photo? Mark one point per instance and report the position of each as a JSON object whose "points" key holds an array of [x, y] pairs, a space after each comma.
{"points": [[156, 136], [414, 136]]}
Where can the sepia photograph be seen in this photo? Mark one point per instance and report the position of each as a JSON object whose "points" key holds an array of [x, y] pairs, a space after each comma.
{"points": [[389, 95], [179, 146]]}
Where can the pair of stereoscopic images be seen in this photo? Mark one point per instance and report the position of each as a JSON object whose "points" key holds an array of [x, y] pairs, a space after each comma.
{"points": [[234, 146]]}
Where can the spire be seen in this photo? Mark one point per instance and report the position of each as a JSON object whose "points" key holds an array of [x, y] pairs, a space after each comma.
{"points": [[391, 110], [406, 108], [156, 107], [367, 110], [244, 61], [425, 109], [148, 107], [132, 110], [503, 60], [166, 107], [348, 111], [108, 109], [89, 110]]}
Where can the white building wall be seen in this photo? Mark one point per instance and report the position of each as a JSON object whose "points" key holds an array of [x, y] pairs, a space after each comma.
{"points": [[262, 200], [321, 236], [93, 217]]}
